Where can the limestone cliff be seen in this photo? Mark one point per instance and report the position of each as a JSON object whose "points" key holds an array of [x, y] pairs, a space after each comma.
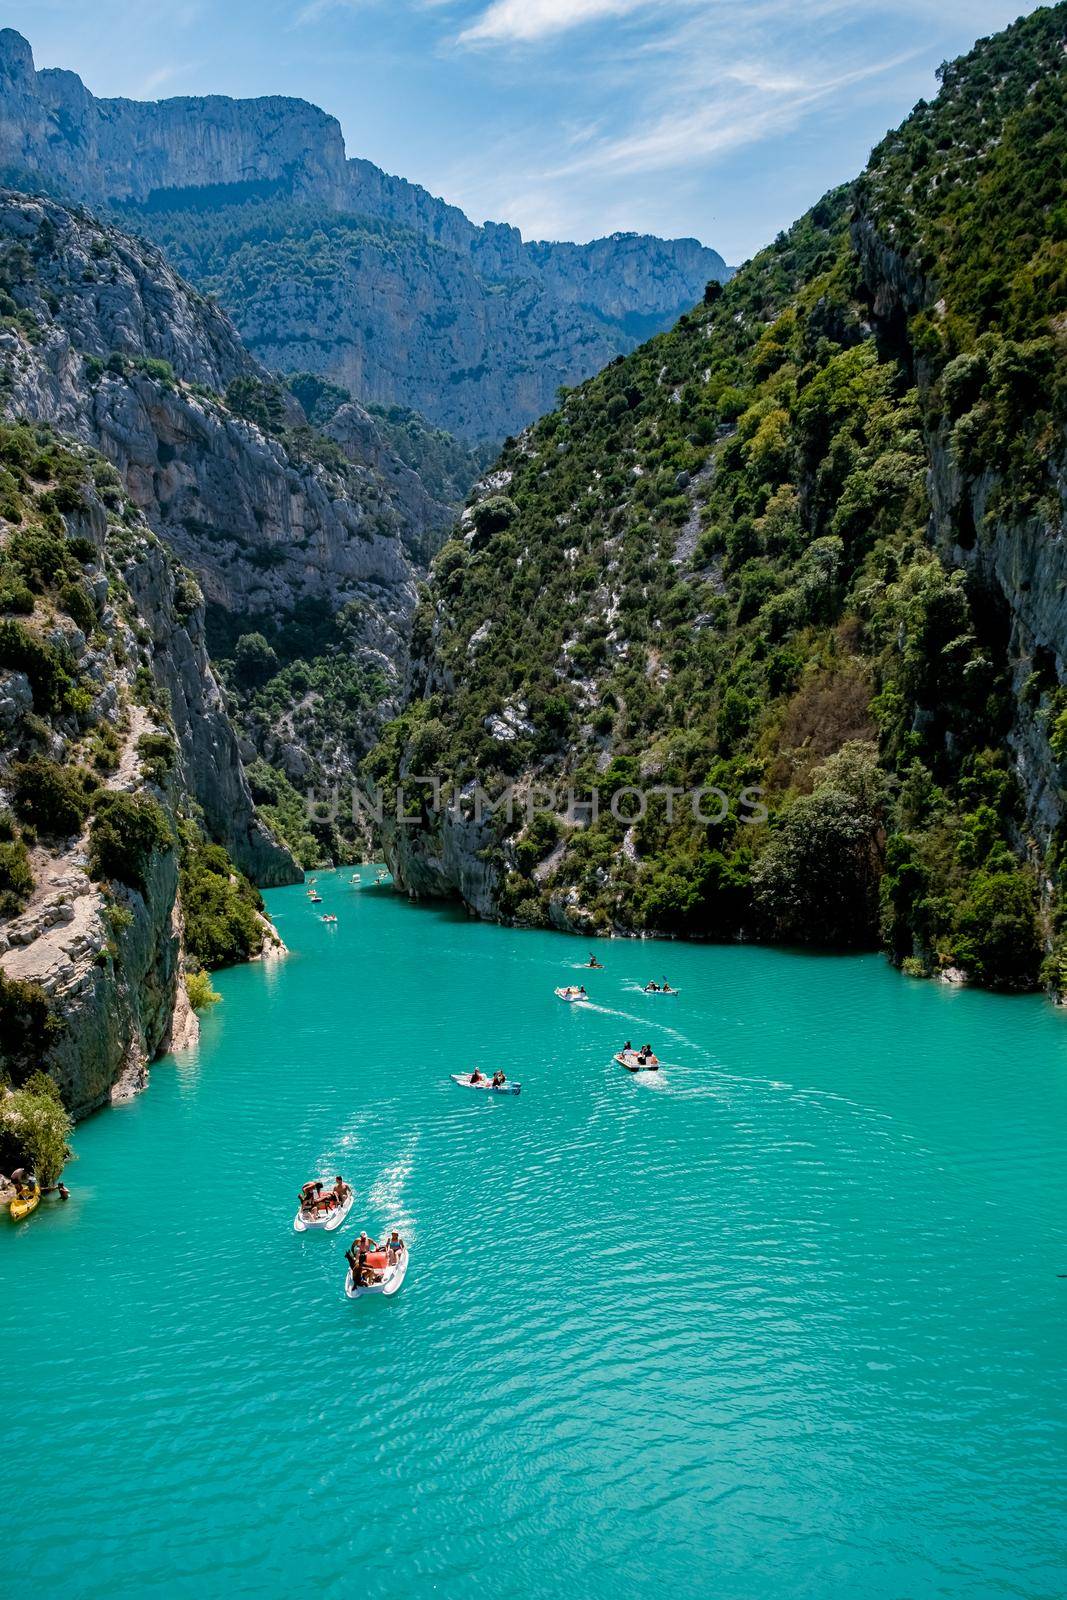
{"points": [[112, 727], [332, 265], [106, 342]]}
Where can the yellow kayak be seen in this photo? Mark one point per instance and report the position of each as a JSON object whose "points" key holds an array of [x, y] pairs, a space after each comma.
{"points": [[25, 1204]]}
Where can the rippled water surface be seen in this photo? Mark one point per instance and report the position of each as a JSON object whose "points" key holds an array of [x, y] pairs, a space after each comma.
{"points": [[785, 1321]]}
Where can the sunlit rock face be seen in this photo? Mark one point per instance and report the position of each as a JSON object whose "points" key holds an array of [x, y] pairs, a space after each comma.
{"points": [[389, 291]]}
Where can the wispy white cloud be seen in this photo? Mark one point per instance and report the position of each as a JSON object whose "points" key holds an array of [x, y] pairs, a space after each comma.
{"points": [[735, 106], [524, 21]]}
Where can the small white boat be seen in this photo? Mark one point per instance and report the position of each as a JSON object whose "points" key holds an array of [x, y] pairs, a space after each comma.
{"points": [[463, 1079], [389, 1282], [670, 992], [323, 1221], [629, 1059], [572, 996]]}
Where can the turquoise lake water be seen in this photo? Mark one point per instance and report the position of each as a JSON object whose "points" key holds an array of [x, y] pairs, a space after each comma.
{"points": [[784, 1321]]}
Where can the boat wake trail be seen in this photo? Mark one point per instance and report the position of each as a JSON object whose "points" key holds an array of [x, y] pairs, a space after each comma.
{"points": [[386, 1195], [647, 1023]]}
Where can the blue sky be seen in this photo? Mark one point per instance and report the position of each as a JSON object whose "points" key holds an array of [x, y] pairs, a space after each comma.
{"points": [[722, 119]]}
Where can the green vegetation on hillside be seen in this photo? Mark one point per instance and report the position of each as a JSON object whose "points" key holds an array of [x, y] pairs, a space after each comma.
{"points": [[711, 566], [221, 907], [81, 775], [447, 466], [235, 251], [300, 679], [34, 1127]]}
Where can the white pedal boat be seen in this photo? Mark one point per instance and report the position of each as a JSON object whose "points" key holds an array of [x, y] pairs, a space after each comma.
{"points": [[667, 993], [325, 1221], [629, 1060], [463, 1079], [389, 1283], [571, 996]]}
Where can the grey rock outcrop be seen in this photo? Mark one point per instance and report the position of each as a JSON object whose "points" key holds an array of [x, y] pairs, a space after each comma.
{"points": [[114, 349], [108, 955]]}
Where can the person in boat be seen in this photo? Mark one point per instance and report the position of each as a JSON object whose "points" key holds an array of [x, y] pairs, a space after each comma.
{"points": [[593, 962], [652, 988], [499, 1079], [311, 1199], [666, 988], [477, 1076], [581, 988], [357, 1258], [393, 1246], [341, 1190]]}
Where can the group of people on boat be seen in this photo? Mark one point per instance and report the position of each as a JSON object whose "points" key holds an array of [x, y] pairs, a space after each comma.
{"points": [[361, 1250], [658, 988], [576, 991], [316, 1200], [498, 1080], [645, 1057]]}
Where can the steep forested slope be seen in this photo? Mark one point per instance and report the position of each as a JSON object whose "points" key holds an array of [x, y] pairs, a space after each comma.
{"points": [[812, 540]]}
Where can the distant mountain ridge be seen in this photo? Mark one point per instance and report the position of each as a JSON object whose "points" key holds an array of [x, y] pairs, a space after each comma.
{"points": [[472, 326]]}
